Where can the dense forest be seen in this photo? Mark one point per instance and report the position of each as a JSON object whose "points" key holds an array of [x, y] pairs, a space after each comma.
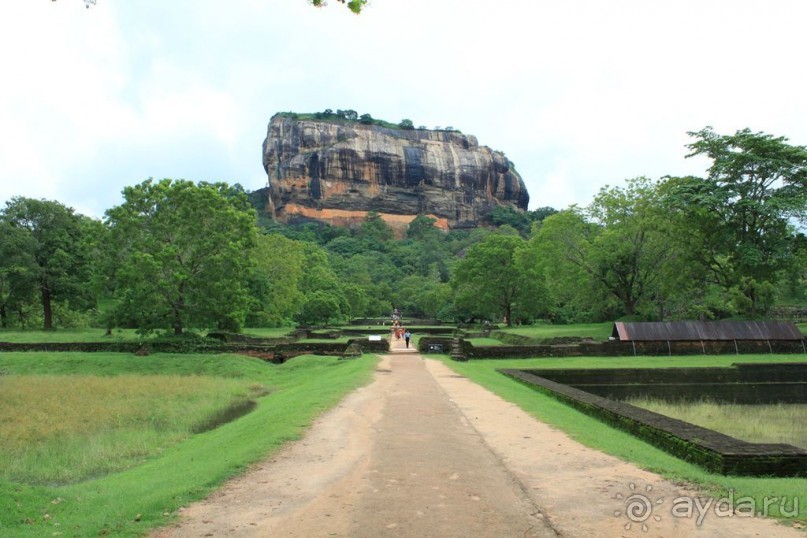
{"points": [[178, 256]]}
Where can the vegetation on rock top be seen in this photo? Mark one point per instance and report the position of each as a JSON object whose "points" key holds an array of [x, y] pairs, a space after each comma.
{"points": [[351, 116]]}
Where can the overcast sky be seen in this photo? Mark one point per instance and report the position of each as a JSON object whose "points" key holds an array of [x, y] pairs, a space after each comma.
{"points": [[578, 94]]}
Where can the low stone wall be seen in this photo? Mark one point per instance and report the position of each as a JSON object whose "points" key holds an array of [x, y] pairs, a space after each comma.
{"points": [[265, 351], [429, 344], [621, 349], [714, 451], [741, 383]]}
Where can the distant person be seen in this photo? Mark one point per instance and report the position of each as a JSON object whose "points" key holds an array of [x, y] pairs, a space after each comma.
{"points": [[407, 336]]}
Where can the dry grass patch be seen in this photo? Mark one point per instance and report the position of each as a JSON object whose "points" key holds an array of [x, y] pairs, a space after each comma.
{"points": [[62, 429], [777, 423]]}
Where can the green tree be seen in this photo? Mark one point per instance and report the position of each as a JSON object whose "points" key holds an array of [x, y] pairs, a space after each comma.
{"points": [[358, 298], [18, 270], [54, 233], [493, 281], [375, 231], [421, 296], [319, 276], [517, 219], [406, 124], [422, 229], [742, 212], [275, 282], [186, 255], [320, 307], [618, 249]]}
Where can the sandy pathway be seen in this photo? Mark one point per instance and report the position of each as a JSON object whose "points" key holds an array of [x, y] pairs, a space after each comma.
{"points": [[424, 452]]}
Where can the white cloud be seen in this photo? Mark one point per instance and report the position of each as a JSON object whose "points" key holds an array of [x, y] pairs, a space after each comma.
{"points": [[578, 94]]}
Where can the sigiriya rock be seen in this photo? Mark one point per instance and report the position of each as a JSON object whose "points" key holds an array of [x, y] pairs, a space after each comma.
{"points": [[338, 171]]}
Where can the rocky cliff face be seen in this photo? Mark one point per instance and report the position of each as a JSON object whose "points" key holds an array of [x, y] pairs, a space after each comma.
{"points": [[337, 172]]}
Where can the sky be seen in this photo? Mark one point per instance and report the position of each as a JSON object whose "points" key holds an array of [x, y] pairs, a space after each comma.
{"points": [[579, 94]]}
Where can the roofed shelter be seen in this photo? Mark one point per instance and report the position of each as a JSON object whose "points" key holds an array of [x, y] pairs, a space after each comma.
{"points": [[660, 331]]}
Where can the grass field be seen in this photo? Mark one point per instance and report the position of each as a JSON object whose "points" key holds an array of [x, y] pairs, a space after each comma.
{"points": [[753, 423], [151, 487], [118, 335], [63, 429], [593, 433], [597, 331], [484, 342], [275, 332], [68, 335]]}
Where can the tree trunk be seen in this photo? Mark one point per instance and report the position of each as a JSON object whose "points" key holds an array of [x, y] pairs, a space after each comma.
{"points": [[629, 307], [3, 316], [47, 308]]}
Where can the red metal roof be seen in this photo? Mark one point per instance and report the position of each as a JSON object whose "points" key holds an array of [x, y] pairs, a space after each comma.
{"points": [[705, 330]]}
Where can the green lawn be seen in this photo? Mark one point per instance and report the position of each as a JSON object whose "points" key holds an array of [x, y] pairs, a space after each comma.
{"points": [[67, 335], [484, 342], [593, 433], [99, 335], [597, 331], [263, 332], [149, 492], [48, 439]]}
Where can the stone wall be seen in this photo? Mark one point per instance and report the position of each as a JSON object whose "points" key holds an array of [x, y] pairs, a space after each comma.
{"points": [[741, 384], [714, 451]]}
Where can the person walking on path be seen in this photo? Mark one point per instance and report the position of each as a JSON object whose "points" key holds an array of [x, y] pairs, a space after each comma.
{"points": [[407, 336]]}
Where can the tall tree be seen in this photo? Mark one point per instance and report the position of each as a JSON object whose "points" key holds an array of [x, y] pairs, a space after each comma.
{"points": [[561, 251], [275, 280], [757, 185], [321, 286], [60, 270], [18, 270], [618, 247], [374, 231], [493, 281], [187, 255]]}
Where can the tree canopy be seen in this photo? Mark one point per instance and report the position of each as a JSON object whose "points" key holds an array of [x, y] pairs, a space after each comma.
{"points": [[177, 256], [54, 264], [493, 280], [744, 211], [186, 255]]}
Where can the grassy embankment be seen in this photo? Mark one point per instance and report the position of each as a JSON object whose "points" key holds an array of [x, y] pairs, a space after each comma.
{"points": [[144, 489], [593, 433]]}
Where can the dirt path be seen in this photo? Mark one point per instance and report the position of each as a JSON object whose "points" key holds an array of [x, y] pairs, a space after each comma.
{"points": [[424, 452]]}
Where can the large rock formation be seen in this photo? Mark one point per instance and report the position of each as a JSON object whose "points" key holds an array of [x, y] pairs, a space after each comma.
{"points": [[338, 171]]}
